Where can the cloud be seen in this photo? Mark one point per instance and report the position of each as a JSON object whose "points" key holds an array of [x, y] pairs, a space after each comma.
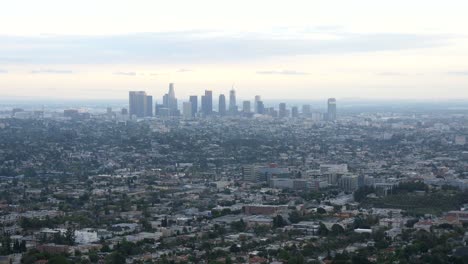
{"points": [[391, 74], [283, 72], [51, 71], [459, 73], [195, 46], [3, 71], [125, 73]]}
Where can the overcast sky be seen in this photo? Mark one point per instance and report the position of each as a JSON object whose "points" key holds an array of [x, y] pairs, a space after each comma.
{"points": [[279, 49]]}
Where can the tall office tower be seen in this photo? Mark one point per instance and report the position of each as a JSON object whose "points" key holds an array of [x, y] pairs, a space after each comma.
{"points": [[207, 103], [149, 106], [194, 101], [171, 92], [165, 100], [161, 110], [137, 103], [306, 110], [331, 113], [171, 101], [222, 105], [124, 111], [187, 110], [257, 99], [295, 112], [260, 108], [203, 105], [282, 110], [246, 106], [232, 102]]}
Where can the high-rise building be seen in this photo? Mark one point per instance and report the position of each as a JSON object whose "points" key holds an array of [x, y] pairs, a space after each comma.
{"points": [[137, 103], [222, 105], [294, 112], [232, 102], [207, 103], [172, 101], [282, 110], [194, 103], [256, 100], [187, 110], [306, 110], [165, 100], [260, 108], [171, 92], [331, 113], [348, 183], [161, 110], [203, 105], [149, 106], [246, 106], [251, 173]]}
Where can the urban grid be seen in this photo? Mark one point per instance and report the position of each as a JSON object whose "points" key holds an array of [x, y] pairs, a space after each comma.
{"points": [[149, 183], [233, 132]]}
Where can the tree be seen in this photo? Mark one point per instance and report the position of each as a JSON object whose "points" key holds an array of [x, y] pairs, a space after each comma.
{"points": [[115, 258], [361, 193], [16, 246], [6, 245], [105, 248], [337, 229], [164, 222], [220, 230], [261, 229], [308, 250], [278, 221], [70, 236], [296, 259], [360, 259], [234, 248], [239, 226], [322, 231], [23, 246], [320, 210], [93, 256], [295, 217], [58, 259]]}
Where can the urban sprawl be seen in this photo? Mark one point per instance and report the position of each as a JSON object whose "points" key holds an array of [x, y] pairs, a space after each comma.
{"points": [[206, 183]]}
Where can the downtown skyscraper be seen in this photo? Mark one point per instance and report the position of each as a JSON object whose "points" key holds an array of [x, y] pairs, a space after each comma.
{"points": [[222, 105], [140, 104], [170, 101], [282, 112], [194, 103], [232, 102], [331, 111], [207, 103]]}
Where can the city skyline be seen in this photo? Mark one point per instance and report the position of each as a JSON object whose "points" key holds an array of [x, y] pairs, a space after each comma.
{"points": [[222, 132], [141, 106], [286, 51]]}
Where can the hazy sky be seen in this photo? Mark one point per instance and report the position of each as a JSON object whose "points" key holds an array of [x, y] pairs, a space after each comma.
{"points": [[279, 49]]}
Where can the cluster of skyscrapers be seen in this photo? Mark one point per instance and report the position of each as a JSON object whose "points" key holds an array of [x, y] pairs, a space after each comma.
{"points": [[141, 105]]}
